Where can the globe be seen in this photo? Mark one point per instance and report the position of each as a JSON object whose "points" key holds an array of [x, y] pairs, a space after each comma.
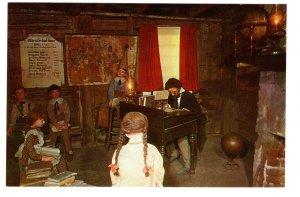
{"points": [[233, 145], [256, 17]]}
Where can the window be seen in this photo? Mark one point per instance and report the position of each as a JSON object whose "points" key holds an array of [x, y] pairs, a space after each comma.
{"points": [[168, 42], [171, 46]]}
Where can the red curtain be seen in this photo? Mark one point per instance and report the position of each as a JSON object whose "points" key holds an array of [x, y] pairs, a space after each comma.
{"points": [[188, 69], [149, 69]]}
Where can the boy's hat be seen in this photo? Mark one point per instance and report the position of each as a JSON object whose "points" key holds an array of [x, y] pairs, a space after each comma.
{"points": [[53, 87]]}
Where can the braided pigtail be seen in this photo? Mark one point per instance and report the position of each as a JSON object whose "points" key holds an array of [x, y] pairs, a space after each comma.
{"points": [[114, 167], [145, 139], [146, 168]]}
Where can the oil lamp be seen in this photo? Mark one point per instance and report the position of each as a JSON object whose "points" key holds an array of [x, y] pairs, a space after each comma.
{"points": [[130, 88], [275, 31], [276, 17]]}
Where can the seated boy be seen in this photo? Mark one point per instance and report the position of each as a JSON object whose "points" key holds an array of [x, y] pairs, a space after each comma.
{"points": [[59, 118]]}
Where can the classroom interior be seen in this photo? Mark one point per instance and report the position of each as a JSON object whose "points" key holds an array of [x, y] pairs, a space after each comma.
{"points": [[236, 69]]}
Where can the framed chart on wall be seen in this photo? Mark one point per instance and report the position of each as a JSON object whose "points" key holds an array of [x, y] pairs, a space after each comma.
{"points": [[42, 62], [95, 59]]}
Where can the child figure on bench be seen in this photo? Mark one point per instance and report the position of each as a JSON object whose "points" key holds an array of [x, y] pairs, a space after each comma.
{"points": [[30, 151], [59, 117], [17, 120]]}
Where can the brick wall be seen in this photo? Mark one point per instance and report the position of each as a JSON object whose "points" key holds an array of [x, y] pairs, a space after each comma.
{"points": [[275, 167], [269, 157]]}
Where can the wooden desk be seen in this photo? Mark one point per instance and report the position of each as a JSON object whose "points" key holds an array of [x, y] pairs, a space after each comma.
{"points": [[167, 127]]}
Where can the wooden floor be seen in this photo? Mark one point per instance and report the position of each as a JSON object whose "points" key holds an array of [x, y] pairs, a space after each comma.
{"points": [[91, 164]]}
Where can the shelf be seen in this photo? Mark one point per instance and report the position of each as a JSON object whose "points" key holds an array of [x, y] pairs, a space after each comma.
{"points": [[264, 62]]}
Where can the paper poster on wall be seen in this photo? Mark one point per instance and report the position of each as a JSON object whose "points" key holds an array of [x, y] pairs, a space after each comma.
{"points": [[95, 59], [41, 61]]}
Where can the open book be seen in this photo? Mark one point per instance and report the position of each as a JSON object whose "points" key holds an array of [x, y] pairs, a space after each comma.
{"points": [[54, 129], [168, 110]]}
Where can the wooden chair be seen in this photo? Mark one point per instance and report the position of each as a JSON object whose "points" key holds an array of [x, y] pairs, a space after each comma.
{"points": [[113, 130]]}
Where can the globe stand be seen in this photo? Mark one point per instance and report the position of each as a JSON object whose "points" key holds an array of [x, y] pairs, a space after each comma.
{"points": [[231, 165]]}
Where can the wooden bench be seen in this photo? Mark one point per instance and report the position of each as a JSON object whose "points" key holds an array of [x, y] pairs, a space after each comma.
{"points": [[40, 98]]}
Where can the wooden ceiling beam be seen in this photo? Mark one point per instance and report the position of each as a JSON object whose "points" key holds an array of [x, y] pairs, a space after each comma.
{"points": [[195, 10], [187, 11]]}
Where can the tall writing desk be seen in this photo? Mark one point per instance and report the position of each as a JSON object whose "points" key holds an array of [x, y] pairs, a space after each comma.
{"points": [[166, 127]]}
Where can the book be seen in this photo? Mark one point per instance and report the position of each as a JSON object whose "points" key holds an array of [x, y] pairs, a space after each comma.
{"points": [[38, 167], [38, 170], [169, 110], [42, 174], [77, 183], [161, 95], [33, 182], [146, 100], [68, 181], [61, 176], [54, 129], [50, 151]]}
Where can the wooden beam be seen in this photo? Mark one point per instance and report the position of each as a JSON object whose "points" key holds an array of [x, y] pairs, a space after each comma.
{"points": [[109, 14], [196, 10], [130, 25]]}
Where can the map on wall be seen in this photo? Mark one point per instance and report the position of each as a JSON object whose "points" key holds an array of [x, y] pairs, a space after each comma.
{"points": [[95, 59], [41, 61]]}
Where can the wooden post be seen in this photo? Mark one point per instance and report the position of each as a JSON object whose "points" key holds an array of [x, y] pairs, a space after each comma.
{"points": [[251, 40], [235, 43], [88, 118], [130, 25]]}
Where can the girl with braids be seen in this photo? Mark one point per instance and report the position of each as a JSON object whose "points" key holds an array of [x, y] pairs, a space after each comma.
{"points": [[136, 163], [29, 152]]}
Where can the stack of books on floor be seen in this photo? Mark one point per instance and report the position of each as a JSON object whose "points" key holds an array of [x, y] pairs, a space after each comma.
{"points": [[38, 170], [61, 179], [65, 179], [79, 183], [35, 174]]}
